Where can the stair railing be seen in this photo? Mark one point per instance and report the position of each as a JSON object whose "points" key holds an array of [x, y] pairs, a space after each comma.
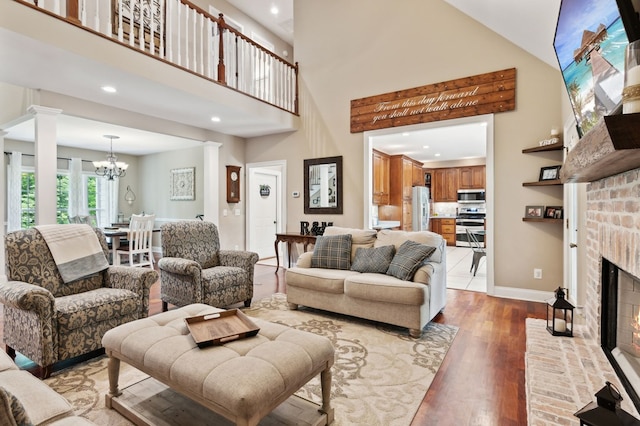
{"points": [[188, 37]]}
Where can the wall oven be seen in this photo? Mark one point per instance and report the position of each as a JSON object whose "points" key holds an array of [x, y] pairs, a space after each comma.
{"points": [[472, 219], [471, 196]]}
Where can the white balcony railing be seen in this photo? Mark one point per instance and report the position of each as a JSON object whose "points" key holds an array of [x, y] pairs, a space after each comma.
{"points": [[188, 37]]}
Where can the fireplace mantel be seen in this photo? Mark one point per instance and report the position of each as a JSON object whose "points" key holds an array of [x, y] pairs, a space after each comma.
{"points": [[611, 147]]}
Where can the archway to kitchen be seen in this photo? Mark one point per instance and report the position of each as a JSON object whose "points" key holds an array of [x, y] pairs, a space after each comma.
{"points": [[483, 125]]}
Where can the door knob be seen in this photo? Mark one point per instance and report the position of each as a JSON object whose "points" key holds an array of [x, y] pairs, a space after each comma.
{"points": [[573, 245]]}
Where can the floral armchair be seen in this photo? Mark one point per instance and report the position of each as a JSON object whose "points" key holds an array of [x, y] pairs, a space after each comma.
{"points": [[48, 320], [193, 269]]}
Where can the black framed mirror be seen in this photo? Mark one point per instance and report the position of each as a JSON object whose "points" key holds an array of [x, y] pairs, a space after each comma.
{"points": [[323, 185]]}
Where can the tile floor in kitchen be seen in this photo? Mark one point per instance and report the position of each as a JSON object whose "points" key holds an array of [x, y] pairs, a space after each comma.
{"points": [[458, 275]]}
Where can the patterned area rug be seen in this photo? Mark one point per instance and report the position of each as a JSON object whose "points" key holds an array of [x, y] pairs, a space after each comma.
{"points": [[379, 378]]}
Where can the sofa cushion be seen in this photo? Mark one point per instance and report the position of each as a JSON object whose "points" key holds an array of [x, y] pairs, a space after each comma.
{"points": [[408, 259], [332, 252], [324, 280], [11, 409], [386, 237], [385, 289], [364, 238], [373, 259], [41, 402]]}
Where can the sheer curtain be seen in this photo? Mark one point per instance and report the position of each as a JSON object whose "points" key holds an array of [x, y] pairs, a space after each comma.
{"points": [[14, 192], [107, 202], [77, 190]]}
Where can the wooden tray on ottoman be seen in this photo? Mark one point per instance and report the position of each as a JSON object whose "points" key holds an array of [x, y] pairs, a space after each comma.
{"points": [[220, 327]]}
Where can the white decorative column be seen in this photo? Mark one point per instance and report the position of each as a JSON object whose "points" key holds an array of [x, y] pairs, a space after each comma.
{"points": [[45, 162], [3, 206], [212, 189]]}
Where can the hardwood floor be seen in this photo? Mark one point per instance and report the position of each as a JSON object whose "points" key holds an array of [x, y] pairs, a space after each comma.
{"points": [[482, 379]]}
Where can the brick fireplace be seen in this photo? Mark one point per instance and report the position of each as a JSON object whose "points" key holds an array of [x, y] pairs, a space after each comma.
{"points": [[613, 268]]}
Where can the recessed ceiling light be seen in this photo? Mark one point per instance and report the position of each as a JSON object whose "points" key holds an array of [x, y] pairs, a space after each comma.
{"points": [[274, 10], [109, 89], [437, 155], [215, 119], [426, 146], [405, 134]]}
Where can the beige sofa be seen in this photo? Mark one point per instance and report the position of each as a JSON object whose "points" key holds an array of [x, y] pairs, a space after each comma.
{"points": [[24, 399], [374, 296]]}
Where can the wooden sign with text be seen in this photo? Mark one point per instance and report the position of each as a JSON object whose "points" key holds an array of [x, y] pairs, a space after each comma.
{"points": [[464, 97]]}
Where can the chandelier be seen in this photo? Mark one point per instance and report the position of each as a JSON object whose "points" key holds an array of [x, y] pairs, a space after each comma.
{"points": [[112, 168]]}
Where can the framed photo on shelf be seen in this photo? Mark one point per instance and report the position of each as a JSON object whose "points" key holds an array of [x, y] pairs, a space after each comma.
{"points": [[553, 212], [550, 173], [533, 211]]}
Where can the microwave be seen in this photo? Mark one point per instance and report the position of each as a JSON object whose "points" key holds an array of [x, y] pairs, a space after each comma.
{"points": [[471, 196]]}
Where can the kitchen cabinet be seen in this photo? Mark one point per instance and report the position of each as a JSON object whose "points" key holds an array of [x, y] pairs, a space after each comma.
{"points": [[472, 177], [418, 174], [556, 182], [401, 181], [445, 227], [444, 184], [380, 178]]}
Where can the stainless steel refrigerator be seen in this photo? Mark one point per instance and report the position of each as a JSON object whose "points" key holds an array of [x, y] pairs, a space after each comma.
{"points": [[420, 205]]}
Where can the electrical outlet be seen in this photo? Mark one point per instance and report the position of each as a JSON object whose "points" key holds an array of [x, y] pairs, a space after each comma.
{"points": [[537, 274]]}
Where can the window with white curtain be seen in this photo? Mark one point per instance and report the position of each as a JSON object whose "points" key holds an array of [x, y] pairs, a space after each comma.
{"points": [[91, 195]]}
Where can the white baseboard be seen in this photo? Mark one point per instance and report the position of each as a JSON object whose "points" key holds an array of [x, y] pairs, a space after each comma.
{"points": [[522, 294]]}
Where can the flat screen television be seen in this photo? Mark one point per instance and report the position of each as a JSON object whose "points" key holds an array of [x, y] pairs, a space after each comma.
{"points": [[590, 41]]}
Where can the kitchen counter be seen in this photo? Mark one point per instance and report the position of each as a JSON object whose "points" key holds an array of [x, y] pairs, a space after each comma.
{"points": [[387, 224]]}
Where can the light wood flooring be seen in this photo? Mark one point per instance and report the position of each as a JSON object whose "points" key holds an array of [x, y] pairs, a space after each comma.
{"points": [[482, 379]]}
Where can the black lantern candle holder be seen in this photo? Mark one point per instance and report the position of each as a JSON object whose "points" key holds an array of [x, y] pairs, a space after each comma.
{"points": [[606, 410], [560, 315]]}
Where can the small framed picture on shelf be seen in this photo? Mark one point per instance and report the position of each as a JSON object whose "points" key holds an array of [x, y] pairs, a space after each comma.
{"points": [[550, 173], [533, 211], [553, 212]]}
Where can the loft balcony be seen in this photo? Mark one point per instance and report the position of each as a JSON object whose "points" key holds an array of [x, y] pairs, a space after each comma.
{"points": [[173, 61]]}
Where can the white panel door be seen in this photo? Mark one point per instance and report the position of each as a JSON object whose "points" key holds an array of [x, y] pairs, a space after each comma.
{"points": [[264, 210]]}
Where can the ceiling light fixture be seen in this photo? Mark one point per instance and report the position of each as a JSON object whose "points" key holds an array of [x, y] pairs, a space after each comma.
{"points": [[426, 146], [405, 134], [109, 89], [112, 168], [274, 10], [215, 119], [437, 155]]}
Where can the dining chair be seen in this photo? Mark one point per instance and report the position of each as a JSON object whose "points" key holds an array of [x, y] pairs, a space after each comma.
{"points": [[478, 251], [139, 249]]}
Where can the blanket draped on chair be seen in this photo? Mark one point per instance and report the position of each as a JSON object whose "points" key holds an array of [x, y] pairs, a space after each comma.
{"points": [[75, 249]]}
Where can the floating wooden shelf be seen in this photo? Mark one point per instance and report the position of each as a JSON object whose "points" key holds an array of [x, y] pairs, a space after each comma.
{"points": [[540, 219], [554, 147], [611, 147], [543, 183]]}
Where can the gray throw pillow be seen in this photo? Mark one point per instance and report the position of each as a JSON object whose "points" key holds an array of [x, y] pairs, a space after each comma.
{"points": [[332, 252], [374, 259], [408, 259]]}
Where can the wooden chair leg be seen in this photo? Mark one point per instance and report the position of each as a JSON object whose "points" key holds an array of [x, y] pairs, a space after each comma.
{"points": [[165, 306], [247, 303]]}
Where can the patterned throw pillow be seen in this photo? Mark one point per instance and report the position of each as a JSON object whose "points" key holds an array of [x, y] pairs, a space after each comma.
{"points": [[332, 252], [374, 259], [12, 410], [408, 259]]}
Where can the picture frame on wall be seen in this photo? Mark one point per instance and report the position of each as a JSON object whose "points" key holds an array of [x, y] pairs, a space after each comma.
{"points": [[182, 184], [549, 173], [534, 212], [553, 212]]}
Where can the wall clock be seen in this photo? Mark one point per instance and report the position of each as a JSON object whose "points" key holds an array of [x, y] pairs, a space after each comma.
{"points": [[233, 184]]}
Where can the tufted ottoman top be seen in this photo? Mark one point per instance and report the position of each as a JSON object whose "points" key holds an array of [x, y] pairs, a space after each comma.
{"points": [[243, 377]]}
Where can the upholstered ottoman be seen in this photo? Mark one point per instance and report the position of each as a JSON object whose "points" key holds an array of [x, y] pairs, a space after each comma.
{"points": [[242, 380]]}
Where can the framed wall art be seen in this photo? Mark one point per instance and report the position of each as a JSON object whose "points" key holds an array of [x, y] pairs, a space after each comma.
{"points": [[533, 211], [550, 173], [182, 185]]}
